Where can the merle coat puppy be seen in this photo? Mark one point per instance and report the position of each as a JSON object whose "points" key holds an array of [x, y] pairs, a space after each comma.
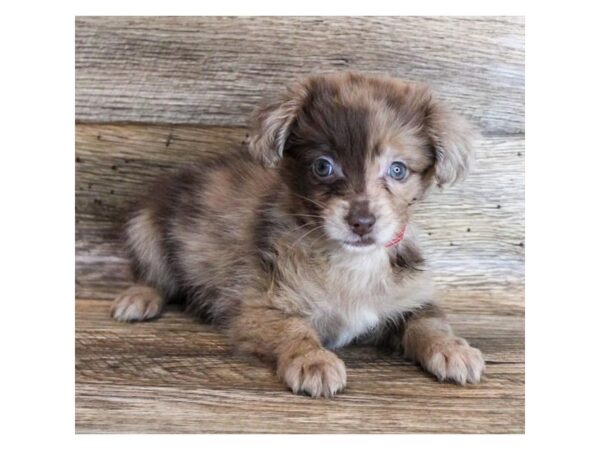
{"points": [[302, 242]]}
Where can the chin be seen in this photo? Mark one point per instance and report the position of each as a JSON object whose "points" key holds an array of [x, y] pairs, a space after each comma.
{"points": [[360, 247], [352, 243]]}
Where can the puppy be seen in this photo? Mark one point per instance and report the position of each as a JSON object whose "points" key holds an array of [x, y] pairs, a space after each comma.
{"points": [[302, 242]]}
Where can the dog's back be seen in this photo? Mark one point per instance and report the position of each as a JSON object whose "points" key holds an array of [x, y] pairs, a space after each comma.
{"points": [[194, 234]]}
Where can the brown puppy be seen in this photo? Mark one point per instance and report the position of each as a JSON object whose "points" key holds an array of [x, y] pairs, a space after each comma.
{"points": [[313, 248]]}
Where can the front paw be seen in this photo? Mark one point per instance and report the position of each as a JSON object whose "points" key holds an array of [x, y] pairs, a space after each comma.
{"points": [[451, 358], [137, 303], [318, 373]]}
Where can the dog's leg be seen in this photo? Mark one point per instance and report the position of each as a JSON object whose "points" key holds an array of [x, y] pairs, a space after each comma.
{"points": [[428, 339], [139, 302], [302, 362]]}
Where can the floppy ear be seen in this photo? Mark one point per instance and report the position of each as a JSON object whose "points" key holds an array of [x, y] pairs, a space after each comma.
{"points": [[452, 139], [270, 125]]}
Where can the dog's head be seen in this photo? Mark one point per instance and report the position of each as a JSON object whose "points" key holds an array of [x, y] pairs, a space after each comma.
{"points": [[358, 151]]}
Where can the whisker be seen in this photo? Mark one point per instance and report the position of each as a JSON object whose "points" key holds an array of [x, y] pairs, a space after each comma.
{"points": [[320, 204], [286, 214], [293, 230], [305, 234]]}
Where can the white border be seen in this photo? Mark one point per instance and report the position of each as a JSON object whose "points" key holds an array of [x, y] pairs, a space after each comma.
{"points": [[562, 224]]}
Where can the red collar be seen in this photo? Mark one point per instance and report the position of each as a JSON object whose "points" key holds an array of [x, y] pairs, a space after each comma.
{"points": [[397, 239]]}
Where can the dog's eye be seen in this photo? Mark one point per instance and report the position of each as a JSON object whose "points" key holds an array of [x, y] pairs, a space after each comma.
{"points": [[323, 167], [398, 171]]}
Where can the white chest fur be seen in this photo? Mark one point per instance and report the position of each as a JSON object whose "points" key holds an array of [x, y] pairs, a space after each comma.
{"points": [[360, 290], [339, 329]]}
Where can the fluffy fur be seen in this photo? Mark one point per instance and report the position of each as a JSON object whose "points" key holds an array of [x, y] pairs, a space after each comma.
{"points": [[292, 264]]}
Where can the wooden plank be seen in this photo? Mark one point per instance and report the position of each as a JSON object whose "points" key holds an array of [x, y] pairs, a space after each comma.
{"points": [[214, 70], [475, 248], [176, 375]]}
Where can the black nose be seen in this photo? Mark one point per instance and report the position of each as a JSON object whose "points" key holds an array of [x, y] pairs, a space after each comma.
{"points": [[360, 219]]}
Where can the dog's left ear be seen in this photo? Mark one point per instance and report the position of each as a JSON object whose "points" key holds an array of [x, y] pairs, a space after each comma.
{"points": [[270, 124], [452, 139]]}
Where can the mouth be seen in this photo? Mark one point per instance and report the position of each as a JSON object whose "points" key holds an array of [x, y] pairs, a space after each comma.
{"points": [[360, 243]]}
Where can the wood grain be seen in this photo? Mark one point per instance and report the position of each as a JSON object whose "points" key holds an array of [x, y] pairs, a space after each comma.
{"points": [[177, 375], [214, 70], [473, 234], [154, 93]]}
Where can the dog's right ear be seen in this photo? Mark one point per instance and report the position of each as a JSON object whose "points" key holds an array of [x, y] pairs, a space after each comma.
{"points": [[270, 125]]}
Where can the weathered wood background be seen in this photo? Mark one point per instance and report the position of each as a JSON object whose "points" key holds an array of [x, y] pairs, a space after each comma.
{"points": [[154, 93]]}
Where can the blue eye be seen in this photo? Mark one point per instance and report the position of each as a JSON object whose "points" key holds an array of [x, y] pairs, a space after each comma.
{"points": [[398, 171], [323, 167]]}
